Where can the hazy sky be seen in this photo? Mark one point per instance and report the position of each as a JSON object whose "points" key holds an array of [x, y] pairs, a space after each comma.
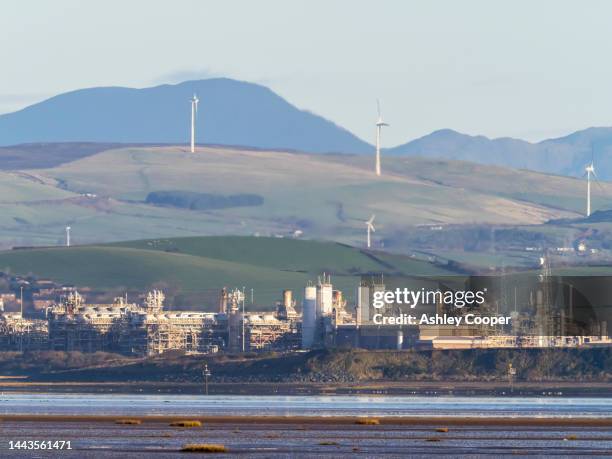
{"points": [[529, 69]]}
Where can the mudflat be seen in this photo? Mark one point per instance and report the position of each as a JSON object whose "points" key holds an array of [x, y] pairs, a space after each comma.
{"points": [[279, 436]]}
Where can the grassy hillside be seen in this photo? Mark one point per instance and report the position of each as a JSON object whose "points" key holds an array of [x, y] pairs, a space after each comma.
{"points": [[325, 191], [289, 255], [16, 187], [44, 155], [197, 268], [551, 191], [326, 197]]}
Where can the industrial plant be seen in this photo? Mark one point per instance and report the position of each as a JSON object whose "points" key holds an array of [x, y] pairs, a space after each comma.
{"points": [[542, 312]]}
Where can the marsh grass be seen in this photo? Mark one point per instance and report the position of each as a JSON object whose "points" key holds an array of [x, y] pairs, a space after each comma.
{"points": [[129, 422], [367, 422], [187, 423], [203, 448]]}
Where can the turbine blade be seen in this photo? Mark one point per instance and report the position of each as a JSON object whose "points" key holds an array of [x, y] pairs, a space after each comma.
{"points": [[378, 106], [599, 184]]}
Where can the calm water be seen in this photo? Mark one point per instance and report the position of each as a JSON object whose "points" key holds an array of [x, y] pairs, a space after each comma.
{"points": [[141, 405]]}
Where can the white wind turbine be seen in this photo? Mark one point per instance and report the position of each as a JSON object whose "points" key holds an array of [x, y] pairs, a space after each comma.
{"points": [[370, 229], [194, 112], [379, 125], [67, 236], [588, 171]]}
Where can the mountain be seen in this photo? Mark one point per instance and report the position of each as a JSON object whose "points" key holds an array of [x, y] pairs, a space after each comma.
{"points": [[564, 155], [231, 113], [236, 113]]}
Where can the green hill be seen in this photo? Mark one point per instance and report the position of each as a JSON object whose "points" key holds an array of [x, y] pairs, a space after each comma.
{"points": [[289, 254], [326, 197], [195, 269], [102, 196]]}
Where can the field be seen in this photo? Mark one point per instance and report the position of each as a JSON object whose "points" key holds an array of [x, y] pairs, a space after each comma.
{"points": [[193, 270], [100, 193], [550, 191]]}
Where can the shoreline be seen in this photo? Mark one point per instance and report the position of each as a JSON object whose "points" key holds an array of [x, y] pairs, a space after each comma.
{"points": [[326, 420], [372, 388]]}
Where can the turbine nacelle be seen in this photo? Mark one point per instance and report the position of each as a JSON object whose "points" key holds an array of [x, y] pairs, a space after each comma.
{"points": [[194, 102], [380, 121]]}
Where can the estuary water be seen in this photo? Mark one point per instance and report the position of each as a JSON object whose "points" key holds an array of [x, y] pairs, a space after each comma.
{"points": [[219, 405]]}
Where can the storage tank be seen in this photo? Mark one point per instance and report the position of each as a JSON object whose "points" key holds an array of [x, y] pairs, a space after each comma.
{"points": [[288, 298], [363, 304], [324, 296], [309, 316]]}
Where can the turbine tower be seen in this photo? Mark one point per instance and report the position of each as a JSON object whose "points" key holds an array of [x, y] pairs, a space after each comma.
{"points": [[194, 112], [67, 236], [590, 169], [379, 125], [370, 229]]}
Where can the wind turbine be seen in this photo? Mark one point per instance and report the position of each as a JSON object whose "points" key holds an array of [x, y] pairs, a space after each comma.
{"points": [[379, 125], [370, 229], [194, 112], [67, 236], [590, 170]]}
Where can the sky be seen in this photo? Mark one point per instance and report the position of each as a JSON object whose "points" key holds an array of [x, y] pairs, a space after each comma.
{"points": [[519, 68]]}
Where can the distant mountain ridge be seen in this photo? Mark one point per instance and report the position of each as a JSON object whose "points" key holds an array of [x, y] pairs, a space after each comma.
{"points": [[231, 113], [239, 113], [563, 156]]}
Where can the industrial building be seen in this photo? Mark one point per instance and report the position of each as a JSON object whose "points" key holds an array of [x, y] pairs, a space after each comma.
{"points": [[19, 334], [128, 328], [148, 329], [326, 321], [274, 331]]}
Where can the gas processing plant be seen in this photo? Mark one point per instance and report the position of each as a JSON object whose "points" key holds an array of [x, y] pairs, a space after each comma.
{"points": [[325, 320]]}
